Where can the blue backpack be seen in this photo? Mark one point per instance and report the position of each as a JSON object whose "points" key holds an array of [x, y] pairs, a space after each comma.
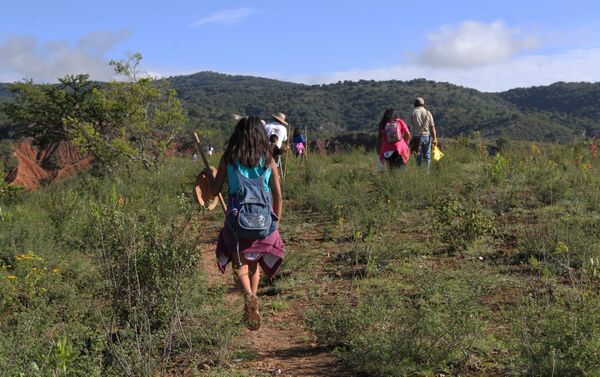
{"points": [[250, 216]]}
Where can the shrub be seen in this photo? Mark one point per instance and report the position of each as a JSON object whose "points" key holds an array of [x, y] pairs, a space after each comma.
{"points": [[458, 224], [498, 168], [562, 240], [112, 287], [560, 338], [433, 325]]}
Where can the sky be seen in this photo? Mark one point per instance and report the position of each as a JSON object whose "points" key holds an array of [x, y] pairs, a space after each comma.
{"points": [[487, 45]]}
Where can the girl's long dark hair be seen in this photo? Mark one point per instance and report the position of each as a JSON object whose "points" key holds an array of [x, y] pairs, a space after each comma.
{"points": [[388, 116], [248, 144]]}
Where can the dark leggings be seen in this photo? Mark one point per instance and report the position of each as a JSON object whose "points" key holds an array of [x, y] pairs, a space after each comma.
{"points": [[395, 161]]}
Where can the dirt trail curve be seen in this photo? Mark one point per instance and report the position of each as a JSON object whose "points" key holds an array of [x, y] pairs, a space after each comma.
{"points": [[282, 343]]}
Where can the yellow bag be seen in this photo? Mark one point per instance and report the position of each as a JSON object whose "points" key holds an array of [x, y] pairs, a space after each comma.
{"points": [[437, 153]]}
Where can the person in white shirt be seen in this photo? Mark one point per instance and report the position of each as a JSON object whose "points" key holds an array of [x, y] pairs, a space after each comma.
{"points": [[423, 132], [277, 127]]}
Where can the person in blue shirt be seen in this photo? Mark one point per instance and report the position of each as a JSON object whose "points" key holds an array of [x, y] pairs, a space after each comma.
{"points": [[298, 143]]}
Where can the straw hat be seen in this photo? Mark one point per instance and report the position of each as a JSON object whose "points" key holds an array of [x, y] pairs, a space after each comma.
{"points": [[202, 192], [280, 117]]}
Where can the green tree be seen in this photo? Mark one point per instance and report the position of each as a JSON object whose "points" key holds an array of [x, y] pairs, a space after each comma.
{"points": [[135, 119]]}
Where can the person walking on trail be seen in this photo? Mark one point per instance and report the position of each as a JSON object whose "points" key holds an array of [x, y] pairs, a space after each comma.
{"points": [[273, 139], [277, 151], [423, 132], [277, 127], [250, 235], [298, 143], [392, 139]]}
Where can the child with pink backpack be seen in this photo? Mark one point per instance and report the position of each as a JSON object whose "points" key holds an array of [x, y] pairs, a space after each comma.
{"points": [[392, 140], [299, 143]]}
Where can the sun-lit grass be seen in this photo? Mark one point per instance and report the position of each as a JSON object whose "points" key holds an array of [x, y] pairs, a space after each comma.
{"points": [[487, 266]]}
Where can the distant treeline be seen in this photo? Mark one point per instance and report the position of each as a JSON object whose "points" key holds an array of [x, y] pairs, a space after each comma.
{"points": [[550, 113]]}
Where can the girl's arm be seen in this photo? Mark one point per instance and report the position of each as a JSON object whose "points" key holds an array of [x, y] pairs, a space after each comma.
{"points": [[406, 132], [276, 190], [216, 184]]}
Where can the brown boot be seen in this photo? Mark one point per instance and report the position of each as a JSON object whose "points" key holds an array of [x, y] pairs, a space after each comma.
{"points": [[251, 314]]}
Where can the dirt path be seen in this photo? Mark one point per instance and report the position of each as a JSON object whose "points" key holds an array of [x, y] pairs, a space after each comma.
{"points": [[282, 343]]}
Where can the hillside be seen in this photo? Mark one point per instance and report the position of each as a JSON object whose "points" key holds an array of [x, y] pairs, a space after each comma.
{"points": [[357, 106], [530, 114], [575, 98]]}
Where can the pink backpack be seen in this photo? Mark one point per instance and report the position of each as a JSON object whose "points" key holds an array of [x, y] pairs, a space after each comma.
{"points": [[392, 132], [298, 148]]}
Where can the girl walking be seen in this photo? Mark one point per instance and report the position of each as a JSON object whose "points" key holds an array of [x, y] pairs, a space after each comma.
{"points": [[248, 167], [392, 139]]}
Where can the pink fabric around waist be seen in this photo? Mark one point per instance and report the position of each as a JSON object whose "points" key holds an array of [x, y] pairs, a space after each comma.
{"points": [[272, 249]]}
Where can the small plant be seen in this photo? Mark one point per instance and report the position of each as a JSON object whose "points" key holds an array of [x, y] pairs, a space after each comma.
{"points": [[593, 268], [459, 224], [64, 355], [498, 168]]}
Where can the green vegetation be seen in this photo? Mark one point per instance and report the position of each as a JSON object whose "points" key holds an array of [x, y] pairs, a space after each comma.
{"points": [[487, 266], [100, 276], [553, 113], [136, 119], [576, 98], [326, 110]]}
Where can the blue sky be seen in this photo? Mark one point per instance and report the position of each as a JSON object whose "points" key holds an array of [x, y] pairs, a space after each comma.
{"points": [[485, 45]]}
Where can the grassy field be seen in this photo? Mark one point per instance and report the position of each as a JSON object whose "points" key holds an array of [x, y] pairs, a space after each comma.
{"points": [[487, 266]]}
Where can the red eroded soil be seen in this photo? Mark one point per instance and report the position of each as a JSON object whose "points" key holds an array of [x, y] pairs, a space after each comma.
{"points": [[35, 166]]}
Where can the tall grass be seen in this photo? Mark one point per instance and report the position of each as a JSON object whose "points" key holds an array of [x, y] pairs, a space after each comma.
{"points": [[433, 249], [489, 265], [102, 276]]}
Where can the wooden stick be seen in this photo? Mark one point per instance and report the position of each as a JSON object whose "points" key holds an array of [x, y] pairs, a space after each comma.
{"points": [[207, 165], [284, 170], [306, 140]]}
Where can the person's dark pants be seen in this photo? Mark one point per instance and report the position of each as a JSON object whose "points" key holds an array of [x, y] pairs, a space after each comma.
{"points": [[395, 161]]}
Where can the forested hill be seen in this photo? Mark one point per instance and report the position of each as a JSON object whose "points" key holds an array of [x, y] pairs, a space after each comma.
{"points": [[553, 113], [211, 98], [582, 99]]}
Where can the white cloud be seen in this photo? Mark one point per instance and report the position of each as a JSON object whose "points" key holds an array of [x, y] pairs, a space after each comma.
{"points": [[225, 17], [24, 56], [102, 41], [473, 43], [528, 70]]}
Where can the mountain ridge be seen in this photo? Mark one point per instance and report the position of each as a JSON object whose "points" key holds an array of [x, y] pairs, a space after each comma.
{"points": [[556, 112]]}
